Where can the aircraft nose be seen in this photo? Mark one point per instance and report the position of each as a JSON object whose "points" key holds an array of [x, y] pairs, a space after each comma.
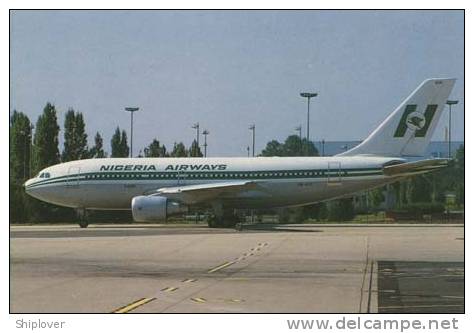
{"points": [[27, 184]]}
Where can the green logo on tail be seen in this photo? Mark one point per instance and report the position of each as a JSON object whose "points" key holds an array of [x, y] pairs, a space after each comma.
{"points": [[415, 121]]}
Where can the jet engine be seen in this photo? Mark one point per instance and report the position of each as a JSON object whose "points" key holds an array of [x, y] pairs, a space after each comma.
{"points": [[155, 208]]}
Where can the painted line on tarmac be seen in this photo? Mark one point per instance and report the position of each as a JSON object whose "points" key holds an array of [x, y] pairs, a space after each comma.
{"points": [[198, 300], [244, 256], [189, 280], [224, 265], [169, 289], [134, 305]]}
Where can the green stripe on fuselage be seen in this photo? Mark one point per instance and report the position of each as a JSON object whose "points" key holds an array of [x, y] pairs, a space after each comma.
{"points": [[227, 175]]}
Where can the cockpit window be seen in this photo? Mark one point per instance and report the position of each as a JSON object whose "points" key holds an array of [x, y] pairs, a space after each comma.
{"points": [[41, 175], [44, 175]]}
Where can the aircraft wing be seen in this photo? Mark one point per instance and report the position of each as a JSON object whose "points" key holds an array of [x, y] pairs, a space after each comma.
{"points": [[193, 194], [413, 168]]}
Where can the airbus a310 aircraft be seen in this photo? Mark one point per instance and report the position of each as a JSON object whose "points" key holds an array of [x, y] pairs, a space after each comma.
{"points": [[156, 188]]}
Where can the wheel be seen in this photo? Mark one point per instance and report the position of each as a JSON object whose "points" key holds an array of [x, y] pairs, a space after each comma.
{"points": [[83, 223], [83, 218], [226, 221]]}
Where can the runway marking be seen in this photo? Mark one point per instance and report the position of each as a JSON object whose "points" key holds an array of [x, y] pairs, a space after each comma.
{"points": [[244, 256], [224, 265], [169, 289], [189, 280], [134, 305], [234, 300], [198, 300]]}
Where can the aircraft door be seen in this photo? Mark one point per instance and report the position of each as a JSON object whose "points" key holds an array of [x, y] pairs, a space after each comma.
{"points": [[334, 173], [73, 177]]}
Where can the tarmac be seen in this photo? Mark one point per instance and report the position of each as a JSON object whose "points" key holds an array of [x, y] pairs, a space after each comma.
{"points": [[275, 269]]}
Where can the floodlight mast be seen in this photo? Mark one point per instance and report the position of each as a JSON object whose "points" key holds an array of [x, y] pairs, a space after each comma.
{"points": [[131, 110], [450, 102], [308, 95]]}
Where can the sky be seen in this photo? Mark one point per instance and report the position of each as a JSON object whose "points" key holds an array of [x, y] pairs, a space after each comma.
{"points": [[228, 70]]}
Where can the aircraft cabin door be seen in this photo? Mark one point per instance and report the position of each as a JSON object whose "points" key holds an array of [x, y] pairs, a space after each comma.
{"points": [[73, 175], [334, 174]]}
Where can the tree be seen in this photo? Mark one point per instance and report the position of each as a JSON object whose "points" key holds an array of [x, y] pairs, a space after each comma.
{"points": [[154, 149], [97, 150], [124, 145], [119, 144], [293, 146], [20, 149], [46, 153], [341, 210], [459, 173], [273, 148], [179, 150], [376, 197], [75, 137], [20, 146], [312, 150], [45, 148], [195, 150]]}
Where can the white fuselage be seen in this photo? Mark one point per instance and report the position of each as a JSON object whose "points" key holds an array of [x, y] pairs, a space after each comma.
{"points": [[111, 183]]}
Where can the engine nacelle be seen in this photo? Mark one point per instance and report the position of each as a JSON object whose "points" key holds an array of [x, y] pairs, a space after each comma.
{"points": [[155, 208]]}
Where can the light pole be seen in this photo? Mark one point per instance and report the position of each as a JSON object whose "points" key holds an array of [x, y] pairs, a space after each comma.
{"points": [[252, 128], [248, 151], [196, 127], [131, 110], [308, 95], [298, 129], [205, 133], [450, 102], [322, 144]]}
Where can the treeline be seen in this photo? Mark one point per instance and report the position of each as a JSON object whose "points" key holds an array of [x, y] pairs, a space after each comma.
{"points": [[35, 147]]}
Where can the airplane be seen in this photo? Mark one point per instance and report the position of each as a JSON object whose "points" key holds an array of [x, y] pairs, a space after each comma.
{"points": [[157, 188]]}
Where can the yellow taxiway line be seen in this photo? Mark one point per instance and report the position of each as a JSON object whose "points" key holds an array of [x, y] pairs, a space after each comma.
{"points": [[224, 265], [134, 305]]}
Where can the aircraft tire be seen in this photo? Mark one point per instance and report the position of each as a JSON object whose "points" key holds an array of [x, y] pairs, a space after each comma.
{"points": [[83, 217], [84, 223], [227, 221]]}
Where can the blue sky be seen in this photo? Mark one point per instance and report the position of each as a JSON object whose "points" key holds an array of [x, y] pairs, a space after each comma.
{"points": [[228, 70]]}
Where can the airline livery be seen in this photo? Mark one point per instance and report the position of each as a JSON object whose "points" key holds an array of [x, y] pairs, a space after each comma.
{"points": [[156, 188]]}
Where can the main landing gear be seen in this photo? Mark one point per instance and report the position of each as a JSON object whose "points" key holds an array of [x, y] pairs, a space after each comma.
{"points": [[224, 221], [83, 217], [222, 218]]}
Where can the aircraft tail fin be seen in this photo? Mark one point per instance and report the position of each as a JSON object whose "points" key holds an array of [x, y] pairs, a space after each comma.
{"points": [[407, 131]]}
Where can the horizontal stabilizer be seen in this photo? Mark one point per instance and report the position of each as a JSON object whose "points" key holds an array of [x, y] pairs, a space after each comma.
{"points": [[413, 168]]}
